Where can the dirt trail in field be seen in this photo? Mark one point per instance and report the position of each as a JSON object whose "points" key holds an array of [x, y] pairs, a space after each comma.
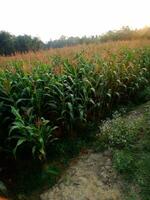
{"points": [[92, 177]]}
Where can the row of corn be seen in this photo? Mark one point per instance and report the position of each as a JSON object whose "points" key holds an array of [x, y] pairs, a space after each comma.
{"points": [[58, 99]]}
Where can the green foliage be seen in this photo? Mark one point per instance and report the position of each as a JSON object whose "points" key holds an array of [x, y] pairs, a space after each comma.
{"points": [[135, 168], [10, 44], [43, 112], [32, 103], [129, 138], [133, 162], [39, 135], [6, 43], [144, 95], [124, 161]]}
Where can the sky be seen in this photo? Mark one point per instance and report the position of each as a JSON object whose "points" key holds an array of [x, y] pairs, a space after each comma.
{"points": [[49, 19]]}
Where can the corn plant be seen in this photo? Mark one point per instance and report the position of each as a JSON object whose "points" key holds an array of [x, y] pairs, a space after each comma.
{"points": [[38, 135], [66, 93]]}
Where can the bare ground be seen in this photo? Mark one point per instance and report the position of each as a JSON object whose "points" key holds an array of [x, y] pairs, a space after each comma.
{"points": [[92, 177]]}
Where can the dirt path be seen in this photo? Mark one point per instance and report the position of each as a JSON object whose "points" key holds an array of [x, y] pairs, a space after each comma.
{"points": [[91, 178]]}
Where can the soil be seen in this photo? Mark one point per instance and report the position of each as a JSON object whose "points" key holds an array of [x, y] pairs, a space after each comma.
{"points": [[92, 177]]}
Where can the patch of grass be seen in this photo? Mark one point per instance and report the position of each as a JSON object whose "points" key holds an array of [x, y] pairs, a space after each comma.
{"points": [[118, 132], [124, 162], [132, 156]]}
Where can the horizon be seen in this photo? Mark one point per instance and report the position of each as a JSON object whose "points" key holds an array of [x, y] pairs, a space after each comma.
{"points": [[88, 36], [49, 20]]}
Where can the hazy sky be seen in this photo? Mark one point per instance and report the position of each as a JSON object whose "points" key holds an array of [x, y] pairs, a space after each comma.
{"points": [[53, 18]]}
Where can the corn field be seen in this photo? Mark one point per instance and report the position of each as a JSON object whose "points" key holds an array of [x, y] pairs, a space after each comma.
{"points": [[55, 98]]}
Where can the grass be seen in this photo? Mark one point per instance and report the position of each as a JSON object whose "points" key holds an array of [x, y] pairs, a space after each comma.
{"points": [[129, 138]]}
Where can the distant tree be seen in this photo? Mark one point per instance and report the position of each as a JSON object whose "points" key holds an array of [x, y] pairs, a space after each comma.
{"points": [[25, 43], [22, 43], [125, 33], [6, 43], [37, 44]]}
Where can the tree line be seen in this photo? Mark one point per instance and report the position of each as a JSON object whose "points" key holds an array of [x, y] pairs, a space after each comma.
{"points": [[10, 44]]}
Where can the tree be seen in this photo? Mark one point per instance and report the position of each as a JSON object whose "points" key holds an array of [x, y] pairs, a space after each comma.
{"points": [[25, 43], [6, 43]]}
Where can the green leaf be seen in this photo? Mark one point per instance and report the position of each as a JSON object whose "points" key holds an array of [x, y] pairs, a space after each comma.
{"points": [[92, 102], [109, 95], [93, 90], [20, 142]]}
